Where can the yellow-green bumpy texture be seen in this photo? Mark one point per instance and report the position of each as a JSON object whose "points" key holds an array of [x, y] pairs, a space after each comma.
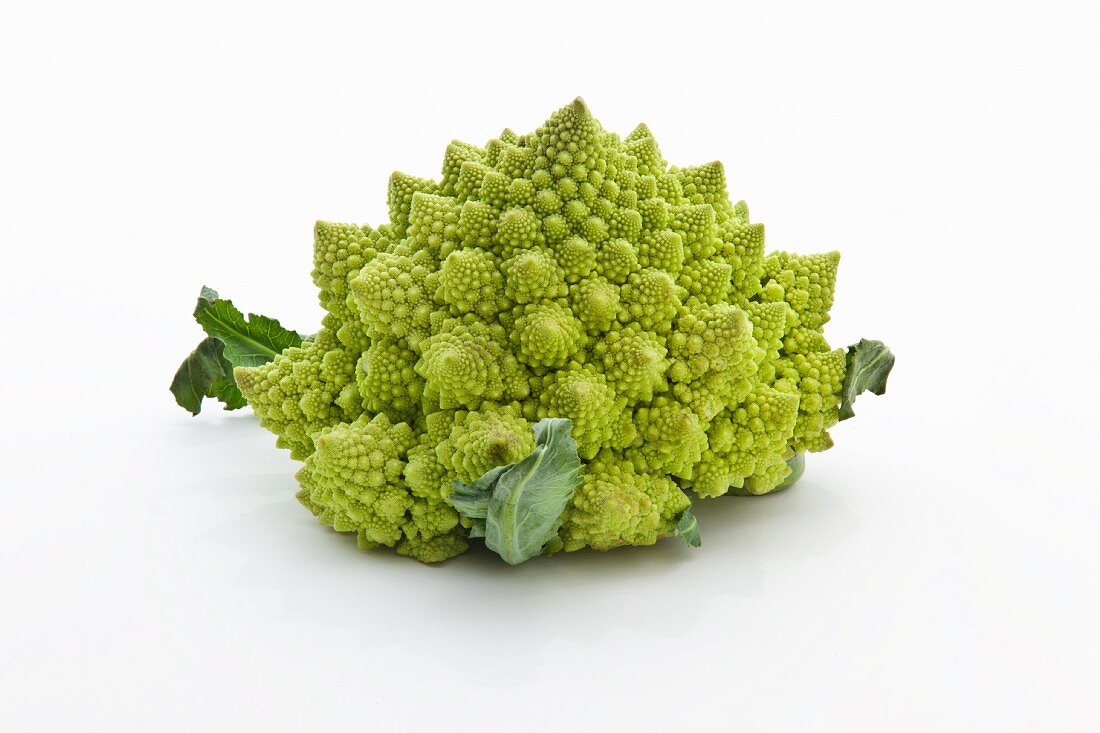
{"points": [[564, 273]]}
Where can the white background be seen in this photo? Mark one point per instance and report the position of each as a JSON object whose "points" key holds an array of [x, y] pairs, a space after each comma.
{"points": [[936, 571]]}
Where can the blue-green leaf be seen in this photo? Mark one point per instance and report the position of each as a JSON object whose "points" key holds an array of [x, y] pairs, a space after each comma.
{"points": [[687, 529], [206, 373], [519, 506], [472, 500], [867, 368]]}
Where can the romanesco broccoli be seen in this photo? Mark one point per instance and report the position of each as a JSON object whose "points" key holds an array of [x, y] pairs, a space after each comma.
{"points": [[552, 347]]}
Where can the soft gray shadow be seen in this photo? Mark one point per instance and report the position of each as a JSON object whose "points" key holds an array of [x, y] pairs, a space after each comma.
{"points": [[203, 429], [223, 455], [765, 526], [326, 582], [276, 484], [311, 576]]}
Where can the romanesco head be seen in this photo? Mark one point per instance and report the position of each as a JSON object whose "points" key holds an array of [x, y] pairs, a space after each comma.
{"points": [[563, 273]]}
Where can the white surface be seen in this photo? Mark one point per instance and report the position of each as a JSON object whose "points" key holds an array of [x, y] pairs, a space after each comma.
{"points": [[935, 571]]}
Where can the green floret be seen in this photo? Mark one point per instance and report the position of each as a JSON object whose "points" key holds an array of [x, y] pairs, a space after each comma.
{"points": [[806, 282], [713, 358], [818, 378], [547, 202], [616, 506], [433, 223], [616, 259], [697, 226], [577, 257], [478, 441], [707, 282], [471, 174], [546, 334], [477, 224], [581, 393], [633, 361], [470, 281], [303, 390], [457, 156], [435, 548], [339, 251], [494, 185], [533, 275], [625, 223], [595, 303], [393, 300], [353, 483], [465, 362], [743, 247], [706, 184], [670, 439], [654, 211], [399, 198], [802, 340], [748, 445], [643, 147], [670, 189], [663, 250], [425, 475], [517, 229], [769, 325], [387, 380], [651, 299]]}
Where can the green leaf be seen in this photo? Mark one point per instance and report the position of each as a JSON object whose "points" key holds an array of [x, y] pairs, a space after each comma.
{"points": [[519, 506], [227, 392], [553, 546], [206, 373], [687, 529], [868, 366], [232, 341], [472, 500], [248, 342], [207, 295]]}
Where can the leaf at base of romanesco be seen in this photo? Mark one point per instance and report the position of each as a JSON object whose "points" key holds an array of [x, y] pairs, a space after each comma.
{"points": [[518, 507]]}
